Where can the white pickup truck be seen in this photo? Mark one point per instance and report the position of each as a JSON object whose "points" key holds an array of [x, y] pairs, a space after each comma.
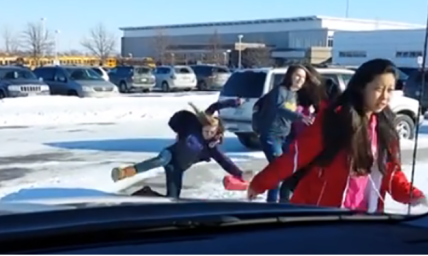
{"points": [[251, 84]]}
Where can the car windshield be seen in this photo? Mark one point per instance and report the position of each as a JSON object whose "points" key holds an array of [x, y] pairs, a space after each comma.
{"points": [[248, 84], [143, 70], [83, 74], [16, 74], [98, 71], [183, 70], [193, 115]]}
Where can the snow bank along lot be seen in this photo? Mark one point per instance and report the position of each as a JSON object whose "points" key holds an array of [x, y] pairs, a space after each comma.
{"points": [[57, 110], [72, 142]]}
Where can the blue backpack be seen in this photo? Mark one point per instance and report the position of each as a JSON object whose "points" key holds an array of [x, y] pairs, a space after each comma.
{"points": [[257, 113]]}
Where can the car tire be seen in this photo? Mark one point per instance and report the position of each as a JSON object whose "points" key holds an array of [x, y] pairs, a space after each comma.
{"points": [[202, 86], [249, 140], [2, 94], [405, 126], [72, 93], [123, 88], [165, 87]]}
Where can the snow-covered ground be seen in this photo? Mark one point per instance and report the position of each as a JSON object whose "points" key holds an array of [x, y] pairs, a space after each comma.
{"points": [[57, 110], [69, 142], [72, 142]]}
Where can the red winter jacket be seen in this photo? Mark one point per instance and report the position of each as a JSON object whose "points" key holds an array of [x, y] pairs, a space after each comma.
{"points": [[327, 186]]}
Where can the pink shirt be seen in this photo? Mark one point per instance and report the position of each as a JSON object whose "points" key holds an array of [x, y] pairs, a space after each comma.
{"points": [[298, 125], [357, 193]]}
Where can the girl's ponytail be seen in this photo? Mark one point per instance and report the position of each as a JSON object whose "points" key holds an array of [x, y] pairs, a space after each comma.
{"points": [[203, 117]]}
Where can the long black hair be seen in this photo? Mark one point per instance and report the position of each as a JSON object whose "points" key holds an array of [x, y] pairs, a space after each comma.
{"points": [[313, 91], [345, 123], [287, 82]]}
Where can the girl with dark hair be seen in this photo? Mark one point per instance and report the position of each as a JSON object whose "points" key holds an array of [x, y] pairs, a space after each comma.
{"points": [[198, 136], [351, 153], [276, 111], [309, 100]]}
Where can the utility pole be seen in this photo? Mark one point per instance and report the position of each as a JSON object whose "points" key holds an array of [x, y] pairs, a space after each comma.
{"points": [[347, 9]]}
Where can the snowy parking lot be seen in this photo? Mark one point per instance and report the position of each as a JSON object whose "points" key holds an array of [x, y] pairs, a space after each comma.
{"points": [[74, 142]]}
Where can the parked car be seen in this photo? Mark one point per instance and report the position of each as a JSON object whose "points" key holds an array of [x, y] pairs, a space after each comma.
{"points": [[133, 78], [238, 120], [211, 77], [18, 81], [177, 77], [413, 86], [78, 81], [102, 72]]}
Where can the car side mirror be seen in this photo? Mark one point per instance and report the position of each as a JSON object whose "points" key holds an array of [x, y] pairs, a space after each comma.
{"points": [[41, 79]]}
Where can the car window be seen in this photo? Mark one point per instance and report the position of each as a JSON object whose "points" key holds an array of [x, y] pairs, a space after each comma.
{"points": [[346, 78], [46, 73], [143, 70], [183, 70], [162, 70], [333, 77], [401, 75], [248, 84], [125, 70], [12, 74], [202, 70], [98, 71], [417, 77], [221, 70], [332, 88], [82, 74], [276, 79]]}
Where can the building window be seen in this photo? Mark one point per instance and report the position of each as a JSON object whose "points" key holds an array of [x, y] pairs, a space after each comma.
{"points": [[408, 54], [330, 41], [353, 54]]}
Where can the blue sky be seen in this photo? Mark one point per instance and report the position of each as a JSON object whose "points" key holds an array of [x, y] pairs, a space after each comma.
{"points": [[75, 18]]}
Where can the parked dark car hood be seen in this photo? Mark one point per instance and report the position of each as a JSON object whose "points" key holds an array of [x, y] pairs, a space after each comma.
{"points": [[23, 81]]}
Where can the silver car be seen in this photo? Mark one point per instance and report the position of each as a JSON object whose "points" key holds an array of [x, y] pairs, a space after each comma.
{"points": [[75, 81], [170, 78]]}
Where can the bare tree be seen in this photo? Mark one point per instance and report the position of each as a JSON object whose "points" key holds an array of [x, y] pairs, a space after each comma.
{"points": [[214, 44], [10, 40], [100, 42], [160, 45], [258, 56], [36, 40], [73, 52]]}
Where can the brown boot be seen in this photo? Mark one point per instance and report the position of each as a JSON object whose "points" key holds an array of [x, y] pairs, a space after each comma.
{"points": [[120, 173]]}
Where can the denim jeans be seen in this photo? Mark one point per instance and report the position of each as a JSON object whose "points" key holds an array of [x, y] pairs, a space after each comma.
{"points": [[173, 174], [273, 147], [174, 180], [160, 160]]}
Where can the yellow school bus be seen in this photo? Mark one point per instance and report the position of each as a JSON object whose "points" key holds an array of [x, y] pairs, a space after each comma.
{"points": [[110, 62]]}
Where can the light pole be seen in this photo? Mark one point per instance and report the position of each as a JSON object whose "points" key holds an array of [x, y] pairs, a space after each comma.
{"points": [[239, 51], [172, 58], [56, 43], [43, 33], [347, 9], [226, 57]]}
